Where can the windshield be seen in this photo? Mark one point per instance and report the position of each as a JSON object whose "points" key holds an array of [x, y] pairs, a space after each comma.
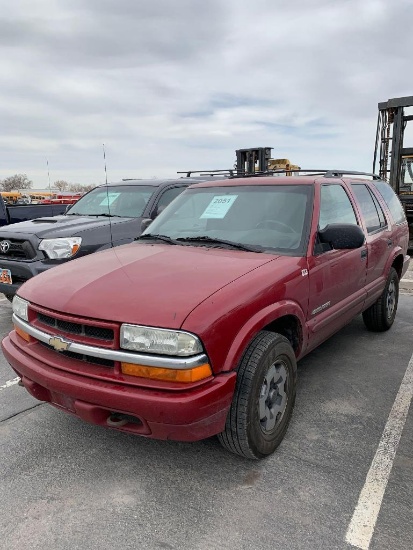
{"points": [[265, 217], [126, 201]]}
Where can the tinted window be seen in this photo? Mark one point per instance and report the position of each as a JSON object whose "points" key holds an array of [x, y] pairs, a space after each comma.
{"points": [[167, 197], [382, 217], [266, 217], [392, 201], [335, 206], [127, 201], [369, 210]]}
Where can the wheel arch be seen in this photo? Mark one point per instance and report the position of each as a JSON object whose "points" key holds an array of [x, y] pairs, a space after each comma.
{"points": [[290, 327], [286, 319], [398, 264]]}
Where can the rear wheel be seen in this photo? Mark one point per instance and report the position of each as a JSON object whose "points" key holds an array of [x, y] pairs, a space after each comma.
{"points": [[380, 316], [263, 399]]}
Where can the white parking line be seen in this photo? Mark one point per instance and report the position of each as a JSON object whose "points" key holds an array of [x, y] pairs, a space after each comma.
{"points": [[361, 528], [10, 383]]}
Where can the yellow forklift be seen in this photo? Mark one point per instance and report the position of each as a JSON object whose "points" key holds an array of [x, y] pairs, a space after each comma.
{"points": [[255, 160]]}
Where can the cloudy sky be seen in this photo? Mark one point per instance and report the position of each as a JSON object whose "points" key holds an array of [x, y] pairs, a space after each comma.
{"points": [[171, 85]]}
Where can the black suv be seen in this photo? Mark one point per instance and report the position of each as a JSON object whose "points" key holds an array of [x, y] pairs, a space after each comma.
{"points": [[107, 216]]}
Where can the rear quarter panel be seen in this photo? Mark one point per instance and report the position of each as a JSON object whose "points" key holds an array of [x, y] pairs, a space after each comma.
{"points": [[399, 234]]}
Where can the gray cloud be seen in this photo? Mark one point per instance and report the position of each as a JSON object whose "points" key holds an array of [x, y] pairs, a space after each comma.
{"points": [[168, 85]]}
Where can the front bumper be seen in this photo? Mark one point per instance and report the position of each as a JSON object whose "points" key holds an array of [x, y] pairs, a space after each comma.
{"points": [[21, 271], [187, 415]]}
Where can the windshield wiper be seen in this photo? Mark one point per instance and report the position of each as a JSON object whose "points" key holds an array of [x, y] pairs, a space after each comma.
{"points": [[205, 239], [104, 214], [78, 214], [156, 237], [97, 215]]}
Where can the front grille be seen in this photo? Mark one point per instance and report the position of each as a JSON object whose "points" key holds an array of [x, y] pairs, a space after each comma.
{"points": [[81, 357], [99, 333], [16, 249]]}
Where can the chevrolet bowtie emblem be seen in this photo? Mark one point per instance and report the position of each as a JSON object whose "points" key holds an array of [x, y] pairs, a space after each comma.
{"points": [[59, 344]]}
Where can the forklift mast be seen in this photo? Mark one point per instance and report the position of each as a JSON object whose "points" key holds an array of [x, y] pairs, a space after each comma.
{"points": [[395, 161], [249, 162], [252, 161]]}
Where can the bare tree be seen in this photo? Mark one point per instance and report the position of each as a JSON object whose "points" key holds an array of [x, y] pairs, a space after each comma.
{"points": [[16, 182], [89, 187], [76, 187], [61, 185], [79, 188]]}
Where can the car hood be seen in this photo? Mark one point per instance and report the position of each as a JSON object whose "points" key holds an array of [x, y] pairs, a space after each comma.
{"points": [[149, 284], [58, 226]]}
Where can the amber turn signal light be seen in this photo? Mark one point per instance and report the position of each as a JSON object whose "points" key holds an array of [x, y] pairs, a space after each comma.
{"points": [[22, 334], [169, 375]]}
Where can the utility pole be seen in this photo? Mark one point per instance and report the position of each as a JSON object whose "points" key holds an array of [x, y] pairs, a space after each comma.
{"points": [[48, 174]]}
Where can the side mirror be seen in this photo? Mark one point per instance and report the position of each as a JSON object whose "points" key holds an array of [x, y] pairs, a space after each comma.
{"points": [[342, 236], [155, 213], [145, 223]]}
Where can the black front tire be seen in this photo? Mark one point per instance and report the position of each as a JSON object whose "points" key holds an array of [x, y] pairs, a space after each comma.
{"points": [[263, 399], [380, 316]]}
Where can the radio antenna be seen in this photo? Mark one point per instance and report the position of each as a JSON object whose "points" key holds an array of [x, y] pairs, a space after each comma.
{"points": [[108, 198], [104, 161]]}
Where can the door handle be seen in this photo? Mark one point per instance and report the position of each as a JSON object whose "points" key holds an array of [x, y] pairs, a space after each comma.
{"points": [[363, 254], [389, 243]]}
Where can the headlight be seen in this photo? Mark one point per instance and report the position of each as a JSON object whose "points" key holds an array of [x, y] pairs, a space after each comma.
{"points": [[57, 249], [20, 307], [158, 340]]}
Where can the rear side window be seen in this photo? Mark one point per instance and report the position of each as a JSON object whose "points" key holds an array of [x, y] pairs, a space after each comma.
{"points": [[335, 206], [392, 201], [371, 210]]}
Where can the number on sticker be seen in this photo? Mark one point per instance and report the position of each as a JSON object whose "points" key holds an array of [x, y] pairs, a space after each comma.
{"points": [[219, 206]]}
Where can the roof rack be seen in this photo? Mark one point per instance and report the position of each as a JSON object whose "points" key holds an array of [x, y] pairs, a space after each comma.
{"points": [[341, 173], [223, 172], [313, 171]]}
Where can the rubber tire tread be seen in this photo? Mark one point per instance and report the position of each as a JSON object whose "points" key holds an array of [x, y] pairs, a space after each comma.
{"points": [[234, 437], [375, 317]]}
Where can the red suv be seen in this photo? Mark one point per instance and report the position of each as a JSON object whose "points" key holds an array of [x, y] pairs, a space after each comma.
{"points": [[196, 328]]}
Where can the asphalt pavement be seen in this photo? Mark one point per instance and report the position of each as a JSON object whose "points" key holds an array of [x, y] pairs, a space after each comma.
{"points": [[65, 484]]}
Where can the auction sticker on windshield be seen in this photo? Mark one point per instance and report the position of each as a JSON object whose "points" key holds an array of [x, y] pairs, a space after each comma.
{"points": [[219, 206], [109, 199]]}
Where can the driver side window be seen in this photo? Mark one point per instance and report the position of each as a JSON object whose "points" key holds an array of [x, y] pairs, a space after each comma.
{"points": [[335, 206]]}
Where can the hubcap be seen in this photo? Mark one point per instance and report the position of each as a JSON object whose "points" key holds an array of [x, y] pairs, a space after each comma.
{"points": [[273, 396], [391, 299]]}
